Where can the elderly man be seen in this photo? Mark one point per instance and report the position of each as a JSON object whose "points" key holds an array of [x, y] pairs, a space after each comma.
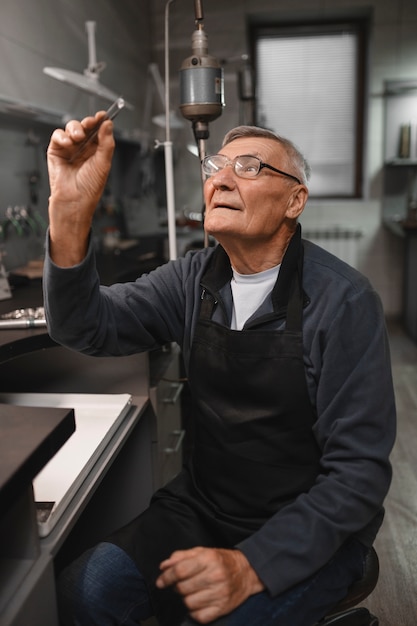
{"points": [[287, 359]]}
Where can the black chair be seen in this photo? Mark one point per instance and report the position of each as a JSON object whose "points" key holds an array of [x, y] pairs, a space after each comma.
{"points": [[346, 612]]}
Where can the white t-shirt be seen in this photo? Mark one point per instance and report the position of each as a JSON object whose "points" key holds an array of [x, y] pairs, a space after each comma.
{"points": [[249, 291]]}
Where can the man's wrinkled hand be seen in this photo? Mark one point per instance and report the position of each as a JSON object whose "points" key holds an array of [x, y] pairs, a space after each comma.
{"points": [[212, 581], [83, 176], [77, 180]]}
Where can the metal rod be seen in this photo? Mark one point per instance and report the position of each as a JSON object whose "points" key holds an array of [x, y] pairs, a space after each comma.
{"points": [[169, 168], [201, 154], [198, 10], [91, 36], [167, 74]]}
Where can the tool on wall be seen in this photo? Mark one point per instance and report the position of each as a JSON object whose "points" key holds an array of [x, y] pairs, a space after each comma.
{"points": [[245, 86], [89, 80], [5, 291], [201, 86]]}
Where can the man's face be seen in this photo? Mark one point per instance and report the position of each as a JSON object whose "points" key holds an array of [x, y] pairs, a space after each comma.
{"points": [[249, 208]]}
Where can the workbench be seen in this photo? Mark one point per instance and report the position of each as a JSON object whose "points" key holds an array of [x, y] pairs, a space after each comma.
{"points": [[142, 453]]}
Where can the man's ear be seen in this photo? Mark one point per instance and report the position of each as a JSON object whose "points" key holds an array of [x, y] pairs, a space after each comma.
{"points": [[297, 202]]}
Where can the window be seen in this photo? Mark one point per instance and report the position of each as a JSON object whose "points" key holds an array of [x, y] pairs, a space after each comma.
{"points": [[309, 88]]}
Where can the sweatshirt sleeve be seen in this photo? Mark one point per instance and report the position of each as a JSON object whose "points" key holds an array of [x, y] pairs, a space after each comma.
{"points": [[350, 364], [117, 320]]}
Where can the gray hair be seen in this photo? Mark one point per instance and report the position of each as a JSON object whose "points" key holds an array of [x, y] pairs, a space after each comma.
{"points": [[295, 157]]}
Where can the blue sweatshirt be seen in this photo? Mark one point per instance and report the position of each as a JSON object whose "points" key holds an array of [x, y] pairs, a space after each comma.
{"points": [[348, 373]]}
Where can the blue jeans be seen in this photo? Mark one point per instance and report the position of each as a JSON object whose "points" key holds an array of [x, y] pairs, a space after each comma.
{"points": [[103, 587]]}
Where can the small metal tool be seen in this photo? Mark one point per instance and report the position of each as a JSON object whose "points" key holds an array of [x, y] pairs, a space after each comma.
{"points": [[23, 318]]}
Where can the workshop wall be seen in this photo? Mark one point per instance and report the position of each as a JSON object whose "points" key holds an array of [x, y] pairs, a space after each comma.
{"points": [[129, 36], [39, 33]]}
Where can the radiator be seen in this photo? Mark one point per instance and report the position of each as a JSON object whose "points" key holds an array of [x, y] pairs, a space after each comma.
{"points": [[342, 242]]}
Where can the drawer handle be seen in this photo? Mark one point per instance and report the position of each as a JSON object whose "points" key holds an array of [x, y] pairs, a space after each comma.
{"points": [[175, 389], [180, 434]]}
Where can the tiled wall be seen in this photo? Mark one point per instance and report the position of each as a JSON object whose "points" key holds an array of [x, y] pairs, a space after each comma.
{"points": [[379, 252]]}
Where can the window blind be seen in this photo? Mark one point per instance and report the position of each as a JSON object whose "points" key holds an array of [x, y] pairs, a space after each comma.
{"points": [[307, 92]]}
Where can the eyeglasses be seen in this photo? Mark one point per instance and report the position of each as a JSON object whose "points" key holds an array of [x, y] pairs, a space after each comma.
{"points": [[245, 166]]}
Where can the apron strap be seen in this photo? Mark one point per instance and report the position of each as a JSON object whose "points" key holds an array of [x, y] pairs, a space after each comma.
{"points": [[288, 285], [294, 320]]}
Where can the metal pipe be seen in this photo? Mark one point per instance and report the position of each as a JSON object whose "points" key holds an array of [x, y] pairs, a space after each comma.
{"points": [[169, 168], [198, 10]]}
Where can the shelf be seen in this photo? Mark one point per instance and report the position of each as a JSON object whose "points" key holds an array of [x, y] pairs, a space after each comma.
{"points": [[401, 163], [400, 87]]}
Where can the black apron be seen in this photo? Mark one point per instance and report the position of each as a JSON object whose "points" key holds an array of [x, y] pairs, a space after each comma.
{"points": [[253, 446]]}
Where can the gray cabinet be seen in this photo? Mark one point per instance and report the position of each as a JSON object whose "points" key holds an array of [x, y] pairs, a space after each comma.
{"points": [[165, 396], [400, 153], [143, 454], [29, 438], [399, 201], [410, 284]]}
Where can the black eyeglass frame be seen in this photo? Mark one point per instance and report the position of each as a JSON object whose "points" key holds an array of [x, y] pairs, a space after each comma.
{"points": [[252, 156]]}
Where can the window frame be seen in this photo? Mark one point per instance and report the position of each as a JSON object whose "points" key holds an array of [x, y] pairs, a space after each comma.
{"points": [[358, 25]]}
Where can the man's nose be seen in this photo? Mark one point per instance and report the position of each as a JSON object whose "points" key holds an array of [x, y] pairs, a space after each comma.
{"points": [[224, 178]]}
